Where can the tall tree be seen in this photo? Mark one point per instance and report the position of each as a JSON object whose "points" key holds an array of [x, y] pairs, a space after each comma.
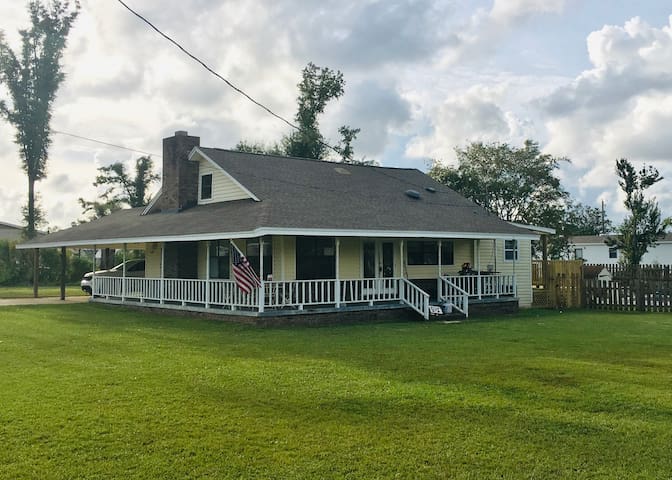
{"points": [[318, 86], [517, 184], [122, 189], [643, 225], [32, 79], [577, 219]]}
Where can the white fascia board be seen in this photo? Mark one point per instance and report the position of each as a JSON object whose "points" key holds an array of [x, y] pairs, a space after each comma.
{"points": [[149, 207], [10, 225], [259, 232], [198, 151], [534, 228]]}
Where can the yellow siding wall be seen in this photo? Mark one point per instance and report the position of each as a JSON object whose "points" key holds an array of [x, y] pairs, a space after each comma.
{"points": [[202, 260], [223, 188], [153, 260], [350, 258], [521, 267], [290, 258]]}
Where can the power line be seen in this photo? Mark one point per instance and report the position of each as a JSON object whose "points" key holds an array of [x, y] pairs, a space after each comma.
{"points": [[104, 143], [213, 72]]}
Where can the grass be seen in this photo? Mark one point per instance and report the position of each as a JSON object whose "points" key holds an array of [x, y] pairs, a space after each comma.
{"points": [[89, 391], [49, 291]]}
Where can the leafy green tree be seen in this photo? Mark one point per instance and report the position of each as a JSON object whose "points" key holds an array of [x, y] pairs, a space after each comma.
{"points": [[577, 219], [583, 219], [259, 147], [123, 190], [643, 226], [318, 86], [32, 79], [516, 184]]}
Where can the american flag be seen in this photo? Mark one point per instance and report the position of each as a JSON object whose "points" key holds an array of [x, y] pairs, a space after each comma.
{"points": [[243, 273]]}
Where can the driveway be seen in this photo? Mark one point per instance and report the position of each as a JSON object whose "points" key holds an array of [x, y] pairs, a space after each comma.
{"points": [[4, 302]]}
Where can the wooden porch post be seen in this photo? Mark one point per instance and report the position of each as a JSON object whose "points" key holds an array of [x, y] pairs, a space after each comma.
{"points": [[544, 260], [261, 275], [63, 268], [36, 271], [93, 274], [477, 258], [207, 274], [123, 274], [337, 286], [401, 258], [438, 280], [515, 257], [163, 272]]}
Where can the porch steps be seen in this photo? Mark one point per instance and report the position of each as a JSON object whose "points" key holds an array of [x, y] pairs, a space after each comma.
{"points": [[453, 316]]}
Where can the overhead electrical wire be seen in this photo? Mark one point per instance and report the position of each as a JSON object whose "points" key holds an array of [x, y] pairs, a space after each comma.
{"points": [[104, 143], [220, 77]]}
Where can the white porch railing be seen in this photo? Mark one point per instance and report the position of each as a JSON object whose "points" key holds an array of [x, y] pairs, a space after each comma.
{"points": [[479, 286], [451, 293], [414, 297], [277, 294]]}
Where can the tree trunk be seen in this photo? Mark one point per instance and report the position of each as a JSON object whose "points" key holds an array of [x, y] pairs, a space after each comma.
{"points": [[30, 231], [36, 271], [63, 270]]}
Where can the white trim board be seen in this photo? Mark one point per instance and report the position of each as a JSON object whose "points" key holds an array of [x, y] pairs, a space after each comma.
{"points": [[258, 232]]}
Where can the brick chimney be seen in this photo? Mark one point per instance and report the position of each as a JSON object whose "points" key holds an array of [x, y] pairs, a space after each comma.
{"points": [[179, 185]]}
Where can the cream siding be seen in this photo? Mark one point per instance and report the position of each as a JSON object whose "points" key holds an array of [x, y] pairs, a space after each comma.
{"points": [[290, 258], [224, 189], [522, 267], [350, 261], [153, 260], [202, 260]]}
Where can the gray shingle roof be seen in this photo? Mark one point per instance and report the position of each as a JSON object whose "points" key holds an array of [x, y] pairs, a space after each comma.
{"points": [[599, 239], [302, 194]]}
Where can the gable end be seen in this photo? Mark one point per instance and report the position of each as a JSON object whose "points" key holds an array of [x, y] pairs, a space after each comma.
{"points": [[220, 185]]}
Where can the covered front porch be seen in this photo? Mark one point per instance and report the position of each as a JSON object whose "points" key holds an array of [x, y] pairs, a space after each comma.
{"points": [[301, 274]]}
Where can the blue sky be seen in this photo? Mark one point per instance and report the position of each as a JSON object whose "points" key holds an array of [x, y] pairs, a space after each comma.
{"points": [[589, 80]]}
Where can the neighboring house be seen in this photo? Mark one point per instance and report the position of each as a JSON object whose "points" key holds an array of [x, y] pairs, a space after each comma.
{"points": [[321, 235], [593, 249], [10, 232]]}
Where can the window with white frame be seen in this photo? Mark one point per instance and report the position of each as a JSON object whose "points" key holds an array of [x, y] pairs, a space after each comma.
{"points": [[510, 250], [613, 252], [578, 253], [206, 186]]}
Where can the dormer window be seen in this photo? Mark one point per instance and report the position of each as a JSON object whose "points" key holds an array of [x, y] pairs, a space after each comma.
{"points": [[206, 186]]}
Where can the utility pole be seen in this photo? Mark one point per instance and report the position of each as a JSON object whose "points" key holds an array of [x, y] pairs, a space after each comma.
{"points": [[603, 227]]}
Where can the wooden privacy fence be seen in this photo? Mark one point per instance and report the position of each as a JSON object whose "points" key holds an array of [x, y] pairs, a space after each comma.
{"points": [[643, 288], [557, 283]]}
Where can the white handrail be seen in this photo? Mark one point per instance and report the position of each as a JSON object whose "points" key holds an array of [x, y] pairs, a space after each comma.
{"points": [[454, 295], [414, 297], [276, 294], [479, 286]]}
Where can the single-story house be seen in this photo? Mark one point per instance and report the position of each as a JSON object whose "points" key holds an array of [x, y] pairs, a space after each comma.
{"points": [[11, 232], [593, 249], [321, 236]]}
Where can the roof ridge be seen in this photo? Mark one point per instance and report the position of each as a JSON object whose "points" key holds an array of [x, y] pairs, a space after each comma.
{"points": [[315, 160]]}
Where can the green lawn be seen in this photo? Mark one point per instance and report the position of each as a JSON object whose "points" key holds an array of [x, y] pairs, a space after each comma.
{"points": [[89, 391], [27, 292]]}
